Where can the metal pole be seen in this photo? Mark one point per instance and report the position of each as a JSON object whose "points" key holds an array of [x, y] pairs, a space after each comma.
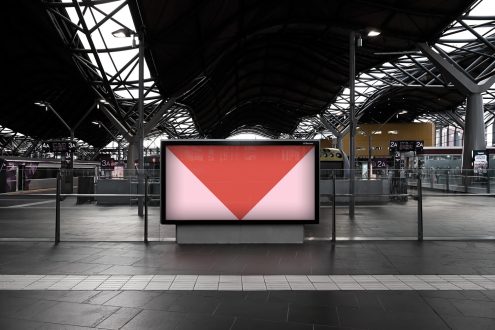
{"points": [[57, 210], [71, 166], [369, 155], [334, 211], [140, 132], [146, 209], [420, 208], [352, 156], [447, 181], [118, 152]]}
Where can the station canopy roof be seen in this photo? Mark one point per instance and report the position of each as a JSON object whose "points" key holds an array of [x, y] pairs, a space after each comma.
{"points": [[234, 65], [272, 63], [38, 67]]}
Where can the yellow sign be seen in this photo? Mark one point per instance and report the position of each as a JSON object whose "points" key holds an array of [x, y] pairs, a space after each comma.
{"points": [[331, 155]]}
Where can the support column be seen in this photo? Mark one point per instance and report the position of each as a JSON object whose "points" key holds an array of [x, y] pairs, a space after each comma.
{"points": [[370, 150], [140, 129], [474, 132], [132, 155], [474, 127], [352, 116]]}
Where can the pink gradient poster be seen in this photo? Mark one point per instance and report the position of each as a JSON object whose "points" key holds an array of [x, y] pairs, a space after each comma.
{"points": [[239, 182]]}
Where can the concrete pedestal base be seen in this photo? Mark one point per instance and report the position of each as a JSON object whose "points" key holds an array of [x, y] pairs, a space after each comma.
{"points": [[237, 234]]}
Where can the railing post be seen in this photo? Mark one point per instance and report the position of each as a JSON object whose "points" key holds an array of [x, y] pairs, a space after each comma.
{"points": [[146, 209], [57, 209], [447, 183], [334, 213], [488, 182], [420, 209]]}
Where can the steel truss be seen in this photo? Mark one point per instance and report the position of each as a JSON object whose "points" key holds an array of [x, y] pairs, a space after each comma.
{"points": [[85, 28], [16, 144], [468, 44]]}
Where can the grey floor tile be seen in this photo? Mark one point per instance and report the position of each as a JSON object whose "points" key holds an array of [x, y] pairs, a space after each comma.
{"points": [[67, 313], [313, 314], [471, 323], [266, 311], [194, 304], [39, 306], [151, 320], [50, 326], [102, 297], [205, 322], [163, 301], [132, 298], [476, 308], [120, 318], [249, 324], [17, 324]]}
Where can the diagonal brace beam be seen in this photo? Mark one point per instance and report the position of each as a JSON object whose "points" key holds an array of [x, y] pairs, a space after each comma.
{"points": [[121, 128], [329, 126], [151, 124], [454, 75]]}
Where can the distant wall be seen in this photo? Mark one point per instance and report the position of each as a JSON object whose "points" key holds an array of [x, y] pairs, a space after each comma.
{"points": [[405, 131]]}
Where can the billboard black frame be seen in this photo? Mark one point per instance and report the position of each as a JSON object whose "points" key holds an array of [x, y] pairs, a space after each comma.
{"points": [[316, 150]]}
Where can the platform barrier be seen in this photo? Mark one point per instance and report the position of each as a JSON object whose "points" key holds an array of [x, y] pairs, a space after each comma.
{"points": [[392, 206]]}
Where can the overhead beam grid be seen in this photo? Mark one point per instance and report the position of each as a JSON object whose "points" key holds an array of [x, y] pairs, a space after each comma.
{"points": [[110, 65]]}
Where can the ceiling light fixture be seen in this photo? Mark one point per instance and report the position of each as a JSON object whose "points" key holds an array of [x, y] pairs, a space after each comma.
{"points": [[123, 33], [373, 33]]}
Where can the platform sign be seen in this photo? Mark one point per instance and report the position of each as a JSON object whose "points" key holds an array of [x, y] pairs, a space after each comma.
{"points": [[480, 162], [380, 163], [406, 145], [58, 146], [239, 182], [107, 163]]}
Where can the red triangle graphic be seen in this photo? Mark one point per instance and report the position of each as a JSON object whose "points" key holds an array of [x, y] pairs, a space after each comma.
{"points": [[240, 176]]}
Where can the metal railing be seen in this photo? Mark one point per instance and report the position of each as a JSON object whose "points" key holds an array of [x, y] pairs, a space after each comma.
{"points": [[419, 188], [418, 195], [59, 195]]}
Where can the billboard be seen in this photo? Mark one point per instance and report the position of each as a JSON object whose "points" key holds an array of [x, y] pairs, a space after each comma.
{"points": [[239, 182]]}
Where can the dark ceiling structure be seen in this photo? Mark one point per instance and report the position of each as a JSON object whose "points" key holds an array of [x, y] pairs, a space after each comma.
{"points": [[403, 104], [276, 68], [38, 67], [271, 63]]}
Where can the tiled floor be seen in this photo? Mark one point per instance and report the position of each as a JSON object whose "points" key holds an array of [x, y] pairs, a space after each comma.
{"points": [[247, 282], [317, 285], [247, 310]]}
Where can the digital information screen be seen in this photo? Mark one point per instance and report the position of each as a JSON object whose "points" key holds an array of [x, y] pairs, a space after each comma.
{"points": [[405, 146], [58, 146], [233, 182]]}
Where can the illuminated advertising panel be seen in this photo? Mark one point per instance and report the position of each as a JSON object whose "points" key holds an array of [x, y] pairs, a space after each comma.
{"points": [[238, 182]]}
